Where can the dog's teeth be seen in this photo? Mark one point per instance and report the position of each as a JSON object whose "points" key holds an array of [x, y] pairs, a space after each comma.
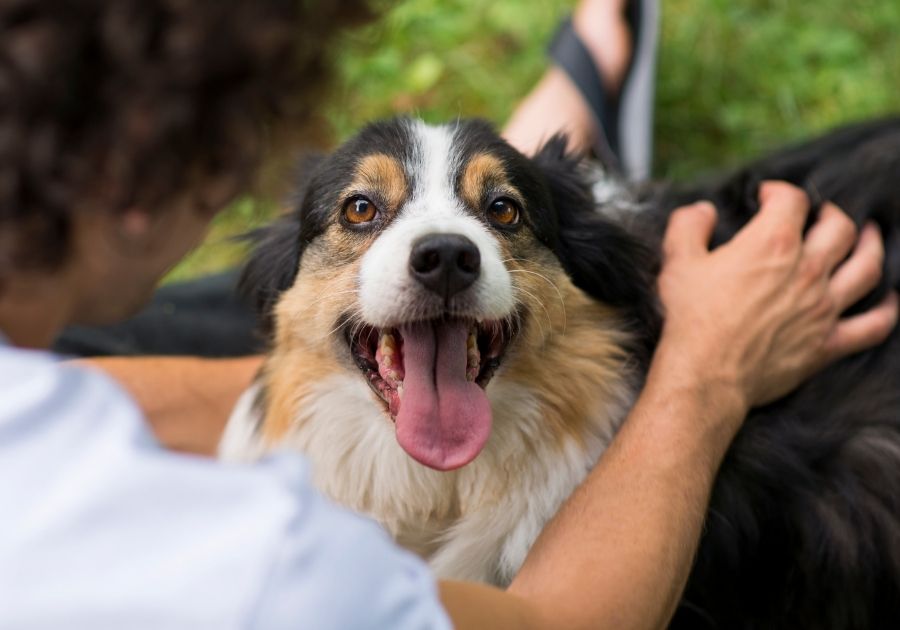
{"points": [[387, 344], [473, 357]]}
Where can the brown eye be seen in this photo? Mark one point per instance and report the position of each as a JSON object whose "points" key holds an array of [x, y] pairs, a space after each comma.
{"points": [[503, 212], [358, 210]]}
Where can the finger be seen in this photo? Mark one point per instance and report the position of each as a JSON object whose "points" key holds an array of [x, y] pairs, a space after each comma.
{"points": [[860, 273], [863, 331], [689, 230], [783, 210], [831, 238]]}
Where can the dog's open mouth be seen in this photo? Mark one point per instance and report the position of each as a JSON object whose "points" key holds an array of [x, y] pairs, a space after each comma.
{"points": [[431, 376]]}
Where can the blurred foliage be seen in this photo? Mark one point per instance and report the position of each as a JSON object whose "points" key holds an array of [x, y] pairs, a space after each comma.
{"points": [[222, 247], [735, 77], [440, 59], [740, 78]]}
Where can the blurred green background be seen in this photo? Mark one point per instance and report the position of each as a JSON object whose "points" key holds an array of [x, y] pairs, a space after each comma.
{"points": [[735, 78]]}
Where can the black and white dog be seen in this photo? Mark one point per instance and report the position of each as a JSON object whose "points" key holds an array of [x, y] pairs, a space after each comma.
{"points": [[458, 330]]}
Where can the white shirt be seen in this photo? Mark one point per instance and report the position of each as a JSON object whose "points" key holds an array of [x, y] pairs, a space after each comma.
{"points": [[102, 528]]}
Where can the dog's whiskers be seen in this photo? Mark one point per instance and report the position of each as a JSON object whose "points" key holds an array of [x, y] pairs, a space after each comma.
{"points": [[330, 295], [544, 308], [562, 302], [353, 319], [358, 324]]}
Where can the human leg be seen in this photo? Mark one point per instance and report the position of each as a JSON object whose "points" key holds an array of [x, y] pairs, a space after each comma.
{"points": [[600, 90]]}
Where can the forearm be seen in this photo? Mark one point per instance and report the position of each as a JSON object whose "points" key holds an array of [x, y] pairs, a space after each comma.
{"points": [[186, 400], [628, 536], [619, 552]]}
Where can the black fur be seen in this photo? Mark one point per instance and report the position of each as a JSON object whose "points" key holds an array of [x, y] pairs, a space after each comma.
{"points": [[804, 525], [856, 167], [272, 266], [804, 521], [602, 258], [276, 250]]}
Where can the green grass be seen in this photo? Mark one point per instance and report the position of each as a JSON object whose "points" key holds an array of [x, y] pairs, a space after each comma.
{"points": [[739, 78], [734, 78]]}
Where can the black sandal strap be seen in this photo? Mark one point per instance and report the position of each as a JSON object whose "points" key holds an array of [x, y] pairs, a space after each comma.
{"points": [[570, 54]]}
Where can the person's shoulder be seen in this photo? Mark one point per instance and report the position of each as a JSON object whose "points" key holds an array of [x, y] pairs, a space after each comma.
{"points": [[53, 411], [39, 384], [101, 505], [343, 571]]}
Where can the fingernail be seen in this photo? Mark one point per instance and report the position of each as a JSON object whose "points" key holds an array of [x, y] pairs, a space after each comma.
{"points": [[706, 206], [872, 225]]}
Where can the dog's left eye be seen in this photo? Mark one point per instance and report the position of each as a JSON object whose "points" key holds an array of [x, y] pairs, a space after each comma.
{"points": [[359, 210], [503, 212]]}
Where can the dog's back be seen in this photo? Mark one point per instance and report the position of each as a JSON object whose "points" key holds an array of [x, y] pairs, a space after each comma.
{"points": [[804, 523], [803, 528]]}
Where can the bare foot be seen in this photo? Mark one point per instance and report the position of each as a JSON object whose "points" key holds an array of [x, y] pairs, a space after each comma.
{"points": [[555, 104], [601, 25]]}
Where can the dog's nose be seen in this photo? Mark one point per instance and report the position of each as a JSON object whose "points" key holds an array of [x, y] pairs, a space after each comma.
{"points": [[445, 263]]}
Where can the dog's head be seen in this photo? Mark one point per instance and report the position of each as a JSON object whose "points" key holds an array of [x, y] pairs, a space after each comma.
{"points": [[420, 258]]}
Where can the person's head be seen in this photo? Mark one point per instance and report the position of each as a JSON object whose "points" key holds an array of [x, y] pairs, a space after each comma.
{"points": [[126, 124]]}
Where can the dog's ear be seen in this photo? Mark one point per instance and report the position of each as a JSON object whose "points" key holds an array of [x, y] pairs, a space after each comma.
{"points": [[600, 255], [274, 261], [272, 266]]}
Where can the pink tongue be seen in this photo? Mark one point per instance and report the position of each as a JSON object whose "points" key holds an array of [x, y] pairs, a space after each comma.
{"points": [[444, 420]]}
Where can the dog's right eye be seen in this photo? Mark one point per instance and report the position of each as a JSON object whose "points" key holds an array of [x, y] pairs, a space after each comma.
{"points": [[503, 212], [359, 210]]}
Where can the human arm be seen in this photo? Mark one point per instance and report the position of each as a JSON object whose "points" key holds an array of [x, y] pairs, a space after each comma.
{"points": [[186, 400], [619, 552], [745, 324]]}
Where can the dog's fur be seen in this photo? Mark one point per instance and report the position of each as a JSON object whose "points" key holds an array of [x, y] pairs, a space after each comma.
{"points": [[804, 523]]}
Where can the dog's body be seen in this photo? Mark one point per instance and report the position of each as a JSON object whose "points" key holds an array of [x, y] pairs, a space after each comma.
{"points": [[459, 332]]}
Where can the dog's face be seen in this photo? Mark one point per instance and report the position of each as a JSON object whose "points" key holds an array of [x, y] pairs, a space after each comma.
{"points": [[424, 258]]}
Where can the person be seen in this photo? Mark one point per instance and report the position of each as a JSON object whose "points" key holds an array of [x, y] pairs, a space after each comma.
{"points": [[109, 176], [600, 87]]}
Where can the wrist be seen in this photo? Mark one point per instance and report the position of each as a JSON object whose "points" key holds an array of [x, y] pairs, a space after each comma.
{"points": [[705, 400]]}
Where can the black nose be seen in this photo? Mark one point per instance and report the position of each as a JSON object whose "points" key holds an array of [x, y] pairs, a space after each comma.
{"points": [[445, 263]]}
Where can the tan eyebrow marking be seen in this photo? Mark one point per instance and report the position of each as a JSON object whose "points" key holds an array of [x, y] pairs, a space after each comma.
{"points": [[482, 171], [383, 174]]}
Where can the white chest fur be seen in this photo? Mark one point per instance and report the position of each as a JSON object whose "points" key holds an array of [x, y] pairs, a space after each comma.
{"points": [[475, 523]]}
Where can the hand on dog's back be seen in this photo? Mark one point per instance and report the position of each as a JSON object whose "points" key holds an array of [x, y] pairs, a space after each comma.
{"points": [[736, 307]]}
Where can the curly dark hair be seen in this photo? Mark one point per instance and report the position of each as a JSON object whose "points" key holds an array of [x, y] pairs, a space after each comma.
{"points": [[111, 104]]}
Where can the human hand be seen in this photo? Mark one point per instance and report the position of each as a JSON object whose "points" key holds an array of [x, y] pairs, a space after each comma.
{"points": [[761, 313]]}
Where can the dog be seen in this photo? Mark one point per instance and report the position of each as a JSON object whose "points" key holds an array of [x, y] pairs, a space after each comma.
{"points": [[458, 330]]}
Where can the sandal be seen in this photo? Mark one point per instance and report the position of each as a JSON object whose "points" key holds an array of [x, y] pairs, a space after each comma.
{"points": [[624, 121]]}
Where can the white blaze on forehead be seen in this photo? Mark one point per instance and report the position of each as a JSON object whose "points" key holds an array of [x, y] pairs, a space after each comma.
{"points": [[388, 294], [434, 164]]}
